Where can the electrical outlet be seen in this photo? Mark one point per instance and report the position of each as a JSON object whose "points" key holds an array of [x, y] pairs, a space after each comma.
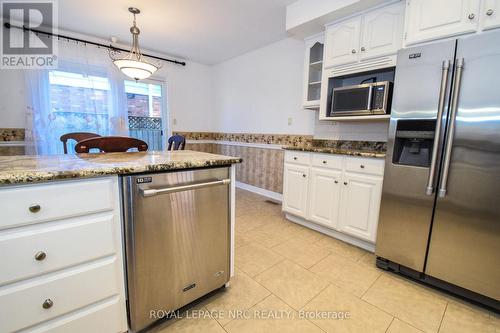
{"points": [[290, 121], [174, 121]]}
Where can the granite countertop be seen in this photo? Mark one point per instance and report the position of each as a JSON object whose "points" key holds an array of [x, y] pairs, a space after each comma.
{"points": [[35, 169], [340, 151]]}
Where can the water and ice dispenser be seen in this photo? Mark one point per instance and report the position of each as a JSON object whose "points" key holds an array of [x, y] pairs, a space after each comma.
{"points": [[413, 142]]}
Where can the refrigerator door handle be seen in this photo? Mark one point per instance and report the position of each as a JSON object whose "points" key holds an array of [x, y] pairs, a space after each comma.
{"points": [[451, 131], [370, 92], [439, 119]]}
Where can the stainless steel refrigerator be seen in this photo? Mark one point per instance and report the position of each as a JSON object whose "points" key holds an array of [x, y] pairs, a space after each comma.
{"points": [[440, 213]]}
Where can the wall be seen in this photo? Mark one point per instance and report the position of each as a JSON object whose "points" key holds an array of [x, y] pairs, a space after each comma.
{"points": [[259, 91], [190, 95], [12, 99]]}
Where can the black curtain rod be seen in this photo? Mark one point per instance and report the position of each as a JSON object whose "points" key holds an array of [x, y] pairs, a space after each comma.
{"points": [[110, 47]]}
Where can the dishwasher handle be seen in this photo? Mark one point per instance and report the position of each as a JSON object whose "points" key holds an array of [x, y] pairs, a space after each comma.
{"points": [[166, 190]]}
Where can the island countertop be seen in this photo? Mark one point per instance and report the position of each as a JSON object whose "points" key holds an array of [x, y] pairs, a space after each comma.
{"points": [[36, 169]]}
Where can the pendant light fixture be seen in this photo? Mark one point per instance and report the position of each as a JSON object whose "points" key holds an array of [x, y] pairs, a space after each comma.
{"points": [[133, 64]]}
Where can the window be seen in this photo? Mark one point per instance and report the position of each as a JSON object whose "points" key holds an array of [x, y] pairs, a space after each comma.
{"points": [[78, 103], [85, 103], [145, 104]]}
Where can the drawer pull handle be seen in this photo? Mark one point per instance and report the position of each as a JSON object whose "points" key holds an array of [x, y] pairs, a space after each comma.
{"points": [[362, 166], [324, 162], [336, 181], [345, 183], [40, 255], [295, 158], [34, 208], [47, 304], [304, 175]]}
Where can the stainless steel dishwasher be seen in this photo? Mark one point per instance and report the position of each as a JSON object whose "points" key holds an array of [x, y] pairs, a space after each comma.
{"points": [[177, 239]]}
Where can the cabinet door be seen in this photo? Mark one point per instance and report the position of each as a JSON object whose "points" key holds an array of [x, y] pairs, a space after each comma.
{"points": [[490, 14], [342, 43], [382, 32], [431, 19], [295, 189], [360, 204], [313, 68], [324, 196]]}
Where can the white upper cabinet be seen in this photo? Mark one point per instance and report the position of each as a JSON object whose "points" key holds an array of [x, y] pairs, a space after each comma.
{"points": [[490, 14], [382, 31], [342, 42], [313, 68], [374, 34], [433, 19]]}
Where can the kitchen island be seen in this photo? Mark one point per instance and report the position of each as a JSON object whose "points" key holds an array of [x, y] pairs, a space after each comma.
{"points": [[35, 169], [62, 235]]}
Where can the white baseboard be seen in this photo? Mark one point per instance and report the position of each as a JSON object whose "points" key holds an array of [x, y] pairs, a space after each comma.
{"points": [[332, 233], [261, 191]]}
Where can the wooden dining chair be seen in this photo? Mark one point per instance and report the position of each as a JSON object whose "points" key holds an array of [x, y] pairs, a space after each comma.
{"points": [[177, 142], [77, 136], [110, 144]]}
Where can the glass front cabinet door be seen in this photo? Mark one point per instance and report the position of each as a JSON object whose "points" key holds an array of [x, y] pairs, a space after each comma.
{"points": [[313, 68]]}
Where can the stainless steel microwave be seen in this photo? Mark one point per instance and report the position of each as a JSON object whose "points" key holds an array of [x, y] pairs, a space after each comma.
{"points": [[361, 100]]}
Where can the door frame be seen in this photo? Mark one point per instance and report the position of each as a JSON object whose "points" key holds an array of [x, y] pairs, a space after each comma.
{"points": [[165, 119]]}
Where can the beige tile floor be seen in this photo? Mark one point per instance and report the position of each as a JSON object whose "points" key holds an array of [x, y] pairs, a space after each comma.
{"points": [[285, 272]]}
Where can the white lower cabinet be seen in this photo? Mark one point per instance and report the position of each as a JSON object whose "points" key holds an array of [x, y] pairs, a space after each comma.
{"points": [[360, 205], [62, 256], [295, 189], [343, 196], [324, 199]]}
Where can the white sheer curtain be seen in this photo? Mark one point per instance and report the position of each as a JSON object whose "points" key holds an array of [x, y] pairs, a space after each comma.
{"points": [[92, 101]]}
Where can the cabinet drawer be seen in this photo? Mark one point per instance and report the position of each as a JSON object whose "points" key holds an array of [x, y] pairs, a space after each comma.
{"points": [[21, 305], [65, 243], [365, 165], [55, 201], [327, 161], [107, 316], [297, 157]]}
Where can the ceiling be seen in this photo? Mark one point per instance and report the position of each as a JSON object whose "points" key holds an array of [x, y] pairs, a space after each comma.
{"points": [[206, 31]]}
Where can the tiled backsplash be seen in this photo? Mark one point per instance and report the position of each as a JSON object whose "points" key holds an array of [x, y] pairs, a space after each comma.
{"points": [[11, 135], [276, 139]]}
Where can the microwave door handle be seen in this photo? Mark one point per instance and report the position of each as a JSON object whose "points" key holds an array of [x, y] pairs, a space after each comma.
{"points": [[451, 131], [437, 133], [370, 92]]}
